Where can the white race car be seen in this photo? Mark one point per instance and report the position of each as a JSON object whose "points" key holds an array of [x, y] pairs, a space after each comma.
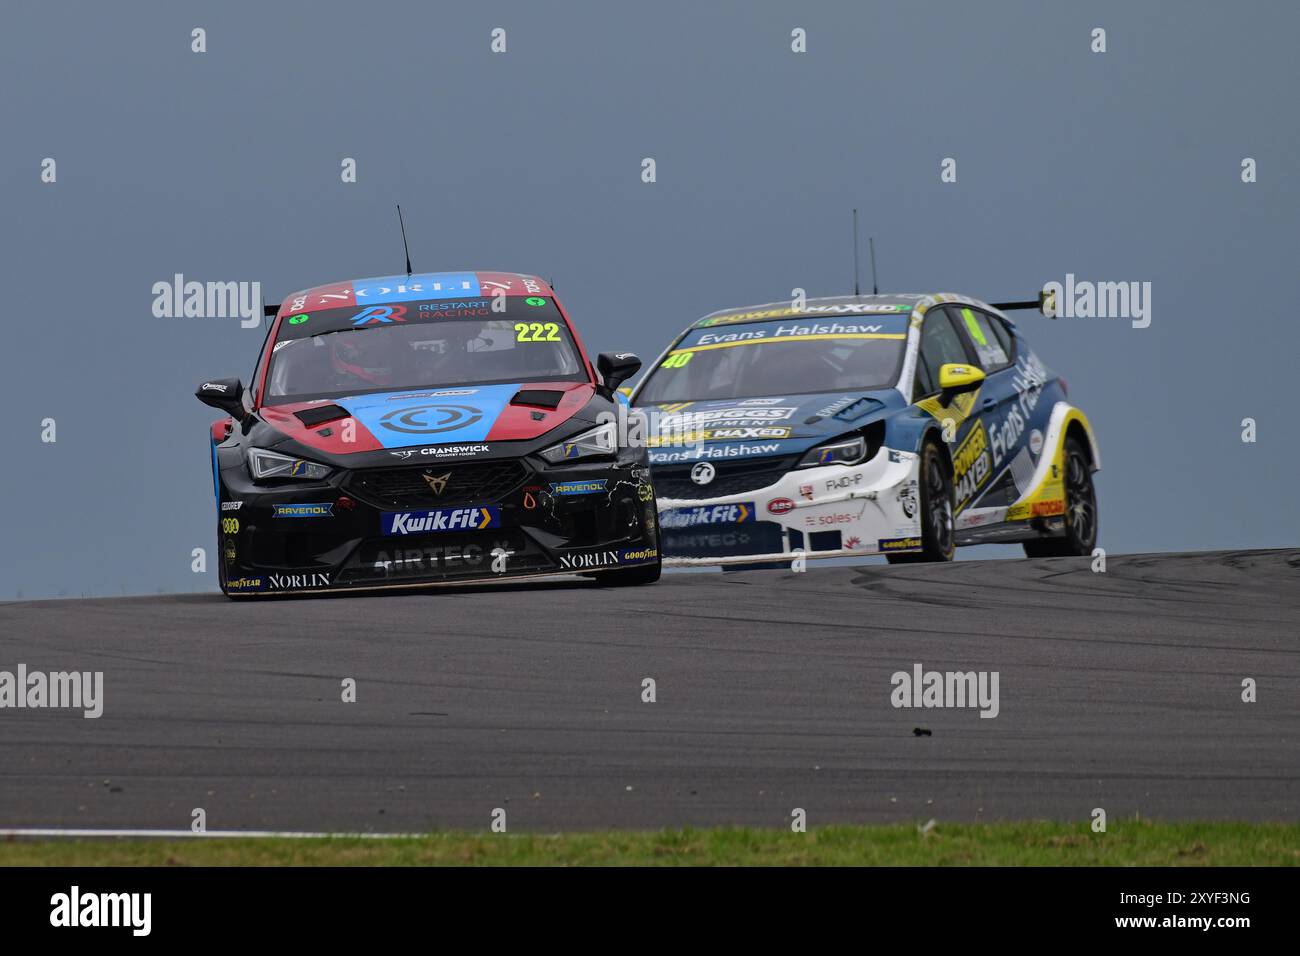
{"points": [[896, 424]]}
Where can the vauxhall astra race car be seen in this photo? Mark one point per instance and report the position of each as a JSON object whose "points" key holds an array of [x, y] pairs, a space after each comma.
{"points": [[426, 429], [896, 424]]}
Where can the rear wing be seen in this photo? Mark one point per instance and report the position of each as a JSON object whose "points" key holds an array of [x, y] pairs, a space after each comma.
{"points": [[1044, 304]]}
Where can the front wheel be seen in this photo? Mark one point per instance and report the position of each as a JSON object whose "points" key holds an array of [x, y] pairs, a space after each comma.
{"points": [[936, 510], [1080, 511], [630, 577]]}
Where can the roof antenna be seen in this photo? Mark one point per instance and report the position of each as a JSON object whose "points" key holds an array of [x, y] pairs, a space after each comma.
{"points": [[855, 253], [402, 223], [875, 289]]}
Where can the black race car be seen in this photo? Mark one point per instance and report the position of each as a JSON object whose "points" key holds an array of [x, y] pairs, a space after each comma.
{"points": [[426, 429]]}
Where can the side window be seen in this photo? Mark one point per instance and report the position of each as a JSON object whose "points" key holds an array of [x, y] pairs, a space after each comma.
{"points": [[940, 345], [1004, 337], [991, 353]]}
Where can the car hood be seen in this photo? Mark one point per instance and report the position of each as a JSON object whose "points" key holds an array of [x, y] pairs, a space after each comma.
{"points": [[401, 419], [748, 427]]}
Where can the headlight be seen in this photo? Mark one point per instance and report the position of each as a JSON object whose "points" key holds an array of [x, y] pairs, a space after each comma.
{"points": [[599, 441], [838, 453], [269, 464]]}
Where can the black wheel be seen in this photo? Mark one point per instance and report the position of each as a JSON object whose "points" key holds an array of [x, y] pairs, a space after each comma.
{"points": [[936, 510], [630, 577], [1080, 511], [221, 561]]}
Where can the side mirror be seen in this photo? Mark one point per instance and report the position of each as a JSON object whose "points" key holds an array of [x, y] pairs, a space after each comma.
{"points": [[223, 394], [954, 379], [615, 368]]}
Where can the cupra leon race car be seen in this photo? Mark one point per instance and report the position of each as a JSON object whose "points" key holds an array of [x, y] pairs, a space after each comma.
{"points": [[426, 429], [896, 424]]}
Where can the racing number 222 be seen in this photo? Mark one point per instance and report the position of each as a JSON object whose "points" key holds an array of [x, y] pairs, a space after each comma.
{"points": [[537, 332]]}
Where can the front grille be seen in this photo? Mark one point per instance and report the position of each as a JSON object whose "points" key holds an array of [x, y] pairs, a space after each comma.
{"points": [[732, 478], [723, 540], [470, 483], [443, 557]]}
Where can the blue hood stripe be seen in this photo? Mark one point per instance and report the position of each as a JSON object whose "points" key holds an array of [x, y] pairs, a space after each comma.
{"points": [[433, 417]]}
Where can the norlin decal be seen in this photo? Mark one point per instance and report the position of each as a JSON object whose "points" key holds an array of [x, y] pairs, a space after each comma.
{"points": [[946, 689], [77, 690], [75, 908], [286, 581], [594, 559]]}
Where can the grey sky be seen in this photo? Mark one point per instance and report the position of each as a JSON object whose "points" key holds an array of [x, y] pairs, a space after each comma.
{"points": [[226, 166]]}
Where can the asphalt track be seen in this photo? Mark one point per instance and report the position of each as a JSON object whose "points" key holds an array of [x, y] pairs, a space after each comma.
{"points": [[1119, 690]]}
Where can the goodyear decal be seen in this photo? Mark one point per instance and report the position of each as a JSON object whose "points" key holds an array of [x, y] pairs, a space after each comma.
{"points": [[899, 544], [474, 518]]}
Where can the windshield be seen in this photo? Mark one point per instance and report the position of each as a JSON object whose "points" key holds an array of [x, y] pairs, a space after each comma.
{"points": [[760, 359], [413, 345]]}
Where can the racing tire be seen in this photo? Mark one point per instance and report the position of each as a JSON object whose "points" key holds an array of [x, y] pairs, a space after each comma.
{"points": [[630, 577], [937, 533], [1080, 511]]}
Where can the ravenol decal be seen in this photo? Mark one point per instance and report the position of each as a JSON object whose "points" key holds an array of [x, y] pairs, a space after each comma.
{"points": [[586, 487], [442, 519], [321, 510], [737, 513]]}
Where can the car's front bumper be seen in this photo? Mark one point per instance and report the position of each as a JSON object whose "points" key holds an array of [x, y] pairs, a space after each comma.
{"points": [[384, 528], [822, 512]]}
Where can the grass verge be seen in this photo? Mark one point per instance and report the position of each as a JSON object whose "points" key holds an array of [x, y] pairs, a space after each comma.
{"points": [[1130, 843]]}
